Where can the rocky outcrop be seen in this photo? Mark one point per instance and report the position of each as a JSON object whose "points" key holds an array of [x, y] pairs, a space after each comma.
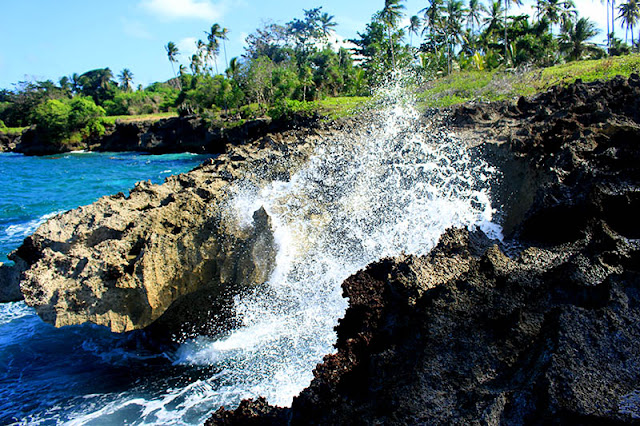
{"points": [[540, 329], [181, 134], [169, 135], [8, 141], [164, 254]]}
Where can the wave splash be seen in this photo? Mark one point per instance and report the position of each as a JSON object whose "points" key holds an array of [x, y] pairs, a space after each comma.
{"points": [[392, 186]]}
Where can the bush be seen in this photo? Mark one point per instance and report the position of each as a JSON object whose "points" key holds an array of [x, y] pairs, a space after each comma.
{"points": [[52, 119], [68, 119], [3, 128], [285, 109]]}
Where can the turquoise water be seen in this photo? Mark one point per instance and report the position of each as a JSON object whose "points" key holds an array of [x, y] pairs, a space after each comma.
{"points": [[36, 188], [53, 376]]}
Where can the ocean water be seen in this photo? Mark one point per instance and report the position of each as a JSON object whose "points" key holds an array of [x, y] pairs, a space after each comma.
{"points": [[393, 187], [45, 372]]}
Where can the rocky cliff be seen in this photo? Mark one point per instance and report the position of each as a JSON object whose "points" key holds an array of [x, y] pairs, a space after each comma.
{"points": [[165, 254], [169, 135], [540, 329]]}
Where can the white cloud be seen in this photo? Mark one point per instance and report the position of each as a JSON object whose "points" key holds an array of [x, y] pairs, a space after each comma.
{"points": [[187, 47], [181, 9]]}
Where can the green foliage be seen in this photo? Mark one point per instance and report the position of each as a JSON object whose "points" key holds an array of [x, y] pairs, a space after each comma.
{"points": [[68, 120], [52, 119], [498, 85], [3, 127]]}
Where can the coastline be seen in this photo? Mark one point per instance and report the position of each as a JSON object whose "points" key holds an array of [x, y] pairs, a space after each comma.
{"points": [[165, 136], [541, 327]]}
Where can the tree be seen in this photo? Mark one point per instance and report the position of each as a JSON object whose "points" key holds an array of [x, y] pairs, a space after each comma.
{"points": [[414, 27], [453, 26], [506, 11], [327, 24], [224, 36], [196, 64], [629, 13], [172, 54], [390, 15], [474, 13], [234, 68], [574, 38], [492, 21], [213, 45], [126, 78], [97, 84]]}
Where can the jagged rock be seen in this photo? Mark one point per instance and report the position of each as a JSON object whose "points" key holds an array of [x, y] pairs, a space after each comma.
{"points": [[10, 283], [543, 329], [164, 254]]}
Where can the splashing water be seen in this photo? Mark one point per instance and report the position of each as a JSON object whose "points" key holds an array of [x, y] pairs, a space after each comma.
{"points": [[392, 187]]}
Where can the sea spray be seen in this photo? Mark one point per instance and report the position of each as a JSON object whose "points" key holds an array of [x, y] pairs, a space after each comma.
{"points": [[390, 187]]}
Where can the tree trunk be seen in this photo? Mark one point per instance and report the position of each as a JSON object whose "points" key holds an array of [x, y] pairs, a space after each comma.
{"points": [[393, 55]]}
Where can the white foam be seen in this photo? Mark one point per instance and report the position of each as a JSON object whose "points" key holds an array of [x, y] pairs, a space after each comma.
{"points": [[392, 190], [393, 187], [22, 230]]}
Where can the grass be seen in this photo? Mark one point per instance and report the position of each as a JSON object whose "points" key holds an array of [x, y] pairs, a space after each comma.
{"points": [[13, 130], [468, 86], [135, 118], [343, 106]]}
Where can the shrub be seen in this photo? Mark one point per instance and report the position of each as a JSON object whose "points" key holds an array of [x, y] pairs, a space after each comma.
{"points": [[68, 119]]}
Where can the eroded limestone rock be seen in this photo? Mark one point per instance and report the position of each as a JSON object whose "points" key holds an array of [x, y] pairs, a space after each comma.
{"points": [[124, 261]]}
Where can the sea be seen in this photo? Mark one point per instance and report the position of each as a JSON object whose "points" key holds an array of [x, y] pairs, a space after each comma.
{"points": [[390, 188]]}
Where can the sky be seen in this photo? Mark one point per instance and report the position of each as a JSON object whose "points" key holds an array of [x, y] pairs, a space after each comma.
{"points": [[47, 39]]}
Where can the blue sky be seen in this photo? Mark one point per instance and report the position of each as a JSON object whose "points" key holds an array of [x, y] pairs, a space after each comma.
{"points": [[47, 39]]}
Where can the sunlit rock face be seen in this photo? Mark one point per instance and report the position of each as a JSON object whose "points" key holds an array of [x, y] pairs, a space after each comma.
{"points": [[124, 261]]}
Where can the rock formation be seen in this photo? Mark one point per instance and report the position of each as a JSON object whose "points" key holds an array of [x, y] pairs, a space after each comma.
{"points": [[163, 254], [169, 135], [543, 328]]}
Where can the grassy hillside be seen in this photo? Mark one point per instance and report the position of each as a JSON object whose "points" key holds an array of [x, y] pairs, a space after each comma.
{"points": [[462, 87]]}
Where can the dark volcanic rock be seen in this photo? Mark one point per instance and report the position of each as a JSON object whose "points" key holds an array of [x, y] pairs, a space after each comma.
{"points": [[471, 335]]}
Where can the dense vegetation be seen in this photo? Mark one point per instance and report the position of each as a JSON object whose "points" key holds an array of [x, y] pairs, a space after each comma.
{"points": [[296, 66]]}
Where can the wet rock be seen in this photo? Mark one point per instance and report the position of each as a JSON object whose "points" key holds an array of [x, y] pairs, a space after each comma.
{"points": [[540, 329], [10, 283]]}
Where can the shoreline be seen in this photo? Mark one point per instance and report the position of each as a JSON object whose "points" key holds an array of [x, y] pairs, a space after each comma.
{"points": [[189, 134], [476, 330]]}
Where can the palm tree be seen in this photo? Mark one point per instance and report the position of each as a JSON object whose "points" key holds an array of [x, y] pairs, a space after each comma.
{"points": [[453, 26], [126, 78], [629, 13], [213, 46], [474, 13], [556, 11], [224, 37], [414, 27], [326, 24], [390, 15], [172, 54], [506, 11], [76, 84], [65, 84], [196, 64], [105, 78], [574, 39], [492, 21], [234, 68]]}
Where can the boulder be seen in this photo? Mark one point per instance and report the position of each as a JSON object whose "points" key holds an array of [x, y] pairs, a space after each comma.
{"points": [[163, 254]]}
